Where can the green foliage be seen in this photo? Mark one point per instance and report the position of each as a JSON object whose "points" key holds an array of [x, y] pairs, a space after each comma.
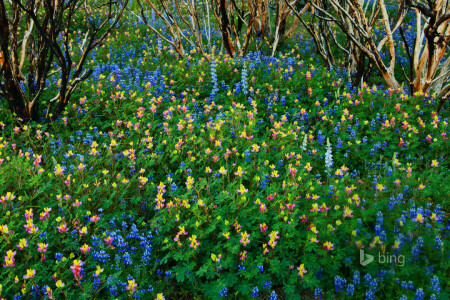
{"points": [[186, 183]]}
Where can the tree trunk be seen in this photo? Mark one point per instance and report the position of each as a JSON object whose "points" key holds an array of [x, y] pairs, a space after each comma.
{"points": [[360, 70], [224, 28]]}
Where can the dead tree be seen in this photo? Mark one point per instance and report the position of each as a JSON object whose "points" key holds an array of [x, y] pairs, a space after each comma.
{"points": [[430, 47], [178, 16], [317, 29], [181, 21], [253, 20], [262, 21], [35, 35], [238, 21], [357, 19], [225, 12], [283, 12]]}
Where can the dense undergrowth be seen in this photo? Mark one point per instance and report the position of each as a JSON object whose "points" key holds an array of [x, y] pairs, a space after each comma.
{"points": [[216, 177]]}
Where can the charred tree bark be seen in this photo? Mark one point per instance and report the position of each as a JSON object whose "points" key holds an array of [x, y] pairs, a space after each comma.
{"points": [[225, 28], [360, 70]]}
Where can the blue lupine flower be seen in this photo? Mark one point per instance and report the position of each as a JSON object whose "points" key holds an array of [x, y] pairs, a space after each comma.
{"points": [[260, 268], [370, 294], [350, 289], [419, 294], [339, 283], [438, 243], [224, 292], [58, 256], [255, 292], [264, 184], [318, 294], [320, 137], [273, 296], [356, 278], [280, 163], [367, 279], [339, 144], [244, 83], [435, 286], [417, 249], [247, 154], [241, 268], [127, 259], [214, 78]]}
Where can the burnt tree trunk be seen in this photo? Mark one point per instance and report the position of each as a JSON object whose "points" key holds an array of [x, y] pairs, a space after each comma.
{"points": [[225, 24]]}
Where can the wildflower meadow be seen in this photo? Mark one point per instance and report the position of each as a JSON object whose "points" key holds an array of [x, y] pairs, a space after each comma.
{"points": [[179, 171]]}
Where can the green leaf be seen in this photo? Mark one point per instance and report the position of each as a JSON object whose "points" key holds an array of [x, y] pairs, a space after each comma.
{"points": [[243, 288], [290, 291], [275, 267], [202, 270]]}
